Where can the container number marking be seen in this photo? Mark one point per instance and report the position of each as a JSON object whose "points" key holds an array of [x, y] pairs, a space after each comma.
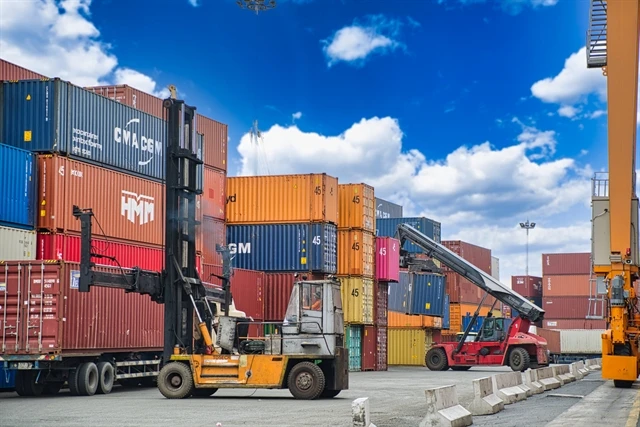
{"points": [[383, 251], [356, 246], [316, 240], [356, 199], [355, 292]]}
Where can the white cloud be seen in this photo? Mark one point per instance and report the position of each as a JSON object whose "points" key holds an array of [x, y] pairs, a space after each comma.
{"points": [[597, 113], [568, 111], [297, 115], [194, 3], [512, 7], [57, 38], [354, 43]]}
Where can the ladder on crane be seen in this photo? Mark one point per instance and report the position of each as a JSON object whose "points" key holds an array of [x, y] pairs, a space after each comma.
{"points": [[597, 35]]}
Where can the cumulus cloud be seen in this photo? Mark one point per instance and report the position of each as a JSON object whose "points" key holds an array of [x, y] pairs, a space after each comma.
{"points": [[57, 38], [568, 111], [297, 115]]}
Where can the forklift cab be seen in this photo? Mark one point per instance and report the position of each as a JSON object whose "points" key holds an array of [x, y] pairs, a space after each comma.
{"points": [[315, 307], [494, 329]]}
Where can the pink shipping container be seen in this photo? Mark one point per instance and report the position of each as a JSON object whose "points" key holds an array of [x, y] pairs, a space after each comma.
{"points": [[381, 304], [277, 292], [574, 323], [387, 259], [381, 333], [213, 231], [566, 307], [11, 71], [569, 263], [66, 247], [568, 285], [214, 193], [50, 316], [528, 287], [247, 288]]}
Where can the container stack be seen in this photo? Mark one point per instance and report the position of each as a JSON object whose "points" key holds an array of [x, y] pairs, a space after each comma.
{"points": [[568, 293], [529, 287]]}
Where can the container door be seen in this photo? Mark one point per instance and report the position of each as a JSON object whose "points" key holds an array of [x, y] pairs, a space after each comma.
{"points": [[11, 327], [354, 340], [42, 306], [381, 347], [369, 344]]}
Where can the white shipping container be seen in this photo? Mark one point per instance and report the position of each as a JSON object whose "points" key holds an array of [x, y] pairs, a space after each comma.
{"points": [[581, 341], [495, 268], [17, 244]]}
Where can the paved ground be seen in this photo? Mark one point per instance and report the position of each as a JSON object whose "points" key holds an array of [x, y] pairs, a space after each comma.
{"points": [[396, 398]]}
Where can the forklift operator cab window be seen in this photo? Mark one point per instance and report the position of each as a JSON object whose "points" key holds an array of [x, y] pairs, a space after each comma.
{"points": [[312, 297]]}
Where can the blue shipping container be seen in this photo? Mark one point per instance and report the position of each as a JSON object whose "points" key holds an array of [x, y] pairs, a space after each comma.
{"points": [[446, 317], [466, 319], [284, 247], [18, 180], [386, 227], [418, 293], [7, 379], [56, 116]]}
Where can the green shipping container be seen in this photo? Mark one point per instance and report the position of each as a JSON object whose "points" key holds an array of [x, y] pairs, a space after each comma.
{"points": [[353, 337]]}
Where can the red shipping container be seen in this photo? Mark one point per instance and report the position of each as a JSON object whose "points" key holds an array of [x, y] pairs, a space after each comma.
{"points": [[214, 197], [461, 290], [381, 304], [568, 285], [369, 349], [566, 307], [215, 141], [213, 231], [277, 292], [381, 362], [569, 263], [247, 288], [552, 337], [132, 97], [66, 247], [574, 323], [50, 316], [527, 286], [11, 71], [476, 255], [126, 207], [387, 259]]}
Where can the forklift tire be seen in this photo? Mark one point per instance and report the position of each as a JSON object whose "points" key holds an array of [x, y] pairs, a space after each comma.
{"points": [[330, 394], [106, 377], [460, 368], [306, 381], [175, 381], [519, 359], [88, 379], [203, 392], [436, 359]]}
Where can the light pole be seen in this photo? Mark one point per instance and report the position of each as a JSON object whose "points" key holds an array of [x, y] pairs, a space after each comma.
{"points": [[527, 226]]}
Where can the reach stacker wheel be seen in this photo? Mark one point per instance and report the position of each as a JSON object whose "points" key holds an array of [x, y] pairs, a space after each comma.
{"points": [[306, 381], [175, 381], [519, 359], [436, 359]]}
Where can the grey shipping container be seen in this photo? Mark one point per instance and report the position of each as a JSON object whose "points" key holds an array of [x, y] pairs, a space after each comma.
{"points": [[385, 209], [57, 117]]}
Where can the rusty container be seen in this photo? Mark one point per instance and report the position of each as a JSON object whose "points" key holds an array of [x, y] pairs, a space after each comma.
{"points": [[357, 207], [214, 193], [356, 253], [215, 141], [11, 71], [568, 285], [132, 97], [566, 263], [566, 307], [282, 199]]}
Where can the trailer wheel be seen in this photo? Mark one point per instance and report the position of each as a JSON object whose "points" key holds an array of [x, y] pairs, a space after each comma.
{"points": [[519, 359], [436, 359], [329, 394], [306, 381], [72, 380], [106, 376], [203, 392], [175, 381], [26, 383], [88, 379]]}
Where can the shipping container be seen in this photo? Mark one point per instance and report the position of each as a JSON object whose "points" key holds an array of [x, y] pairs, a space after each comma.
{"points": [[66, 247], [462, 290], [369, 348], [530, 286], [353, 337], [50, 316], [474, 254], [284, 247], [277, 291], [495, 268], [385, 209], [282, 199], [357, 299], [551, 323], [387, 227], [418, 293], [56, 116], [17, 244], [568, 285], [132, 97], [19, 187], [381, 347], [247, 288], [381, 303], [212, 232], [387, 259], [431, 322], [581, 341], [566, 307], [356, 253], [214, 197], [566, 263], [356, 207], [124, 206], [402, 320], [446, 317], [11, 71], [215, 141], [457, 311], [477, 325], [552, 337], [408, 346]]}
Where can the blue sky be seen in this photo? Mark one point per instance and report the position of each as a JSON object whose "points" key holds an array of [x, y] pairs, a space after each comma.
{"points": [[476, 113]]}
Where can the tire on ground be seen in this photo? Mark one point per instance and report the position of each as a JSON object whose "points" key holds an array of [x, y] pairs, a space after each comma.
{"points": [[72, 380], [203, 392], [306, 381], [106, 377], [519, 359], [175, 381], [88, 379], [329, 394], [436, 359], [26, 383]]}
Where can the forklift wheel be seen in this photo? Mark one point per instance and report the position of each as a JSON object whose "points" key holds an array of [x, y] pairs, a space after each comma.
{"points": [[306, 381], [329, 394], [460, 368], [175, 381], [203, 392], [436, 359], [519, 359]]}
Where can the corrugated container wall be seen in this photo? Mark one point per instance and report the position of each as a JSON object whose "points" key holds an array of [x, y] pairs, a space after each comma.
{"points": [[551, 323], [132, 97], [495, 268], [126, 207], [11, 71], [400, 320], [382, 304], [387, 227], [63, 320], [355, 253], [55, 116], [566, 263], [357, 299], [356, 207], [418, 293], [213, 232], [369, 348], [446, 318], [17, 244], [408, 346], [214, 195], [462, 290], [387, 259], [568, 285], [284, 247], [65, 247], [580, 341], [353, 338], [527, 286], [552, 337], [386, 209], [476, 255], [18, 183], [381, 363], [247, 288], [282, 198], [277, 291], [566, 307]]}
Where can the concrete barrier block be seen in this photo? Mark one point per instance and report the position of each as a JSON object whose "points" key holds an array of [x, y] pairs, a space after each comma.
{"points": [[575, 371], [443, 409], [507, 387], [485, 402], [360, 411], [591, 364], [582, 368], [547, 379], [565, 370], [531, 380]]}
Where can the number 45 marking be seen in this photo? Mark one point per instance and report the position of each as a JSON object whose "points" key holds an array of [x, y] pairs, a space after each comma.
{"points": [[316, 240]]}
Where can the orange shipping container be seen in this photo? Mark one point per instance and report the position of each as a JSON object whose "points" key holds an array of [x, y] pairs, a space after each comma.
{"points": [[355, 253], [401, 320], [214, 193], [567, 285], [357, 207], [126, 207], [282, 199]]}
